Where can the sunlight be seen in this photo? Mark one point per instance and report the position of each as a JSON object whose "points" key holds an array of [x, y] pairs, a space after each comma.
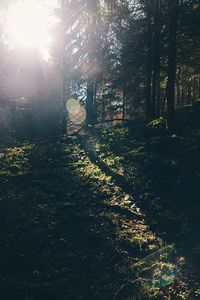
{"points": [[28, 24]]}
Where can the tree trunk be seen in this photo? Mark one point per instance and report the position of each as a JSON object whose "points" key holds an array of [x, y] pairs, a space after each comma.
{"points": [[173, 14], [64, 88], [95, 101], [189, 91], [199, 87], [149, 62], [90, 101], [156, 66], [124, 101], [178, 93], [92, 54]]}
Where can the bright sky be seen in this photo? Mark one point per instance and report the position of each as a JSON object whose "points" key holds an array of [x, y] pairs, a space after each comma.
{"points": [[28, 24]]}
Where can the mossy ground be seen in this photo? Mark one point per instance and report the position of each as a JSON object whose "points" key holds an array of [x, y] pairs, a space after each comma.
{"points": [[108, 214]]}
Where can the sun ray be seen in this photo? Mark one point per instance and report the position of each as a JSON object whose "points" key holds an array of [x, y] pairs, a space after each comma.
{"points": [[28, 25]]}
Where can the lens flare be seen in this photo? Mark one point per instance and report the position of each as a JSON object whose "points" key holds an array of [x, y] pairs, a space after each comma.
{"points": [[76, 112]]}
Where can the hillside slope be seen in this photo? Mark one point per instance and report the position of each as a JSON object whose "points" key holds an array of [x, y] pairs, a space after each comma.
{"points": [[108, 214]]}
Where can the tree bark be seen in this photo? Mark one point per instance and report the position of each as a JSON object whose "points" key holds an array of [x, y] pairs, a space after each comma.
{"points": [[173, 15], [124, 101], [95, 101], [90, 101], [178, 92], [156, 63], [64, 88], [149, 61]]}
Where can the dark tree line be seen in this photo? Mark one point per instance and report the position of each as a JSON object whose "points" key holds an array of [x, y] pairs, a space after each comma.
{"points": [[148, 50], [122, 59]]}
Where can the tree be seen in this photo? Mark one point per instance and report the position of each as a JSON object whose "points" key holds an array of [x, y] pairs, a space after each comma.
{"points": [[171, 73]]}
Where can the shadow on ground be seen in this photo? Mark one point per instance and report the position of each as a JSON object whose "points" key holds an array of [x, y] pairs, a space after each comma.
{"points": [[57, 240], [75, 216], [167, 190]]}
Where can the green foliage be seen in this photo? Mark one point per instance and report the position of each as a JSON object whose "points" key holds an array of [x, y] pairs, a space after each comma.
{"points": [[157, 123], [99, 208]]}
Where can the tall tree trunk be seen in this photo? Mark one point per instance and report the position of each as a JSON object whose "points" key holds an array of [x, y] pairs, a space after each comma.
{"points": [[92, 52], [12, 120], [178, 91], [90, 101], [199, 87], [182, 96], [148, 61], [64, 88], [158, 30], [156, 62], [95, 101], [124, 101], [173, 15], [189, 91], [103, 110], [158, 106]]}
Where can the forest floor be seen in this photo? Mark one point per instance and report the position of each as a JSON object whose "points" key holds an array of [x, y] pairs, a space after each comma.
{"points": [[107, 214]]}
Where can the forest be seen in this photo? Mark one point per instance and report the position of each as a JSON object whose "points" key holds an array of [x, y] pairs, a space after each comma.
{"points": [[99, 149]]}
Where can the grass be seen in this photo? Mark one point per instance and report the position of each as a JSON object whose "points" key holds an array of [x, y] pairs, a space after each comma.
{"points": [[109, 214]]}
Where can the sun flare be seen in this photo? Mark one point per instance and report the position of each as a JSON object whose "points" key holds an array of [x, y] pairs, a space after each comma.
{"points": [[28, 25]]}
